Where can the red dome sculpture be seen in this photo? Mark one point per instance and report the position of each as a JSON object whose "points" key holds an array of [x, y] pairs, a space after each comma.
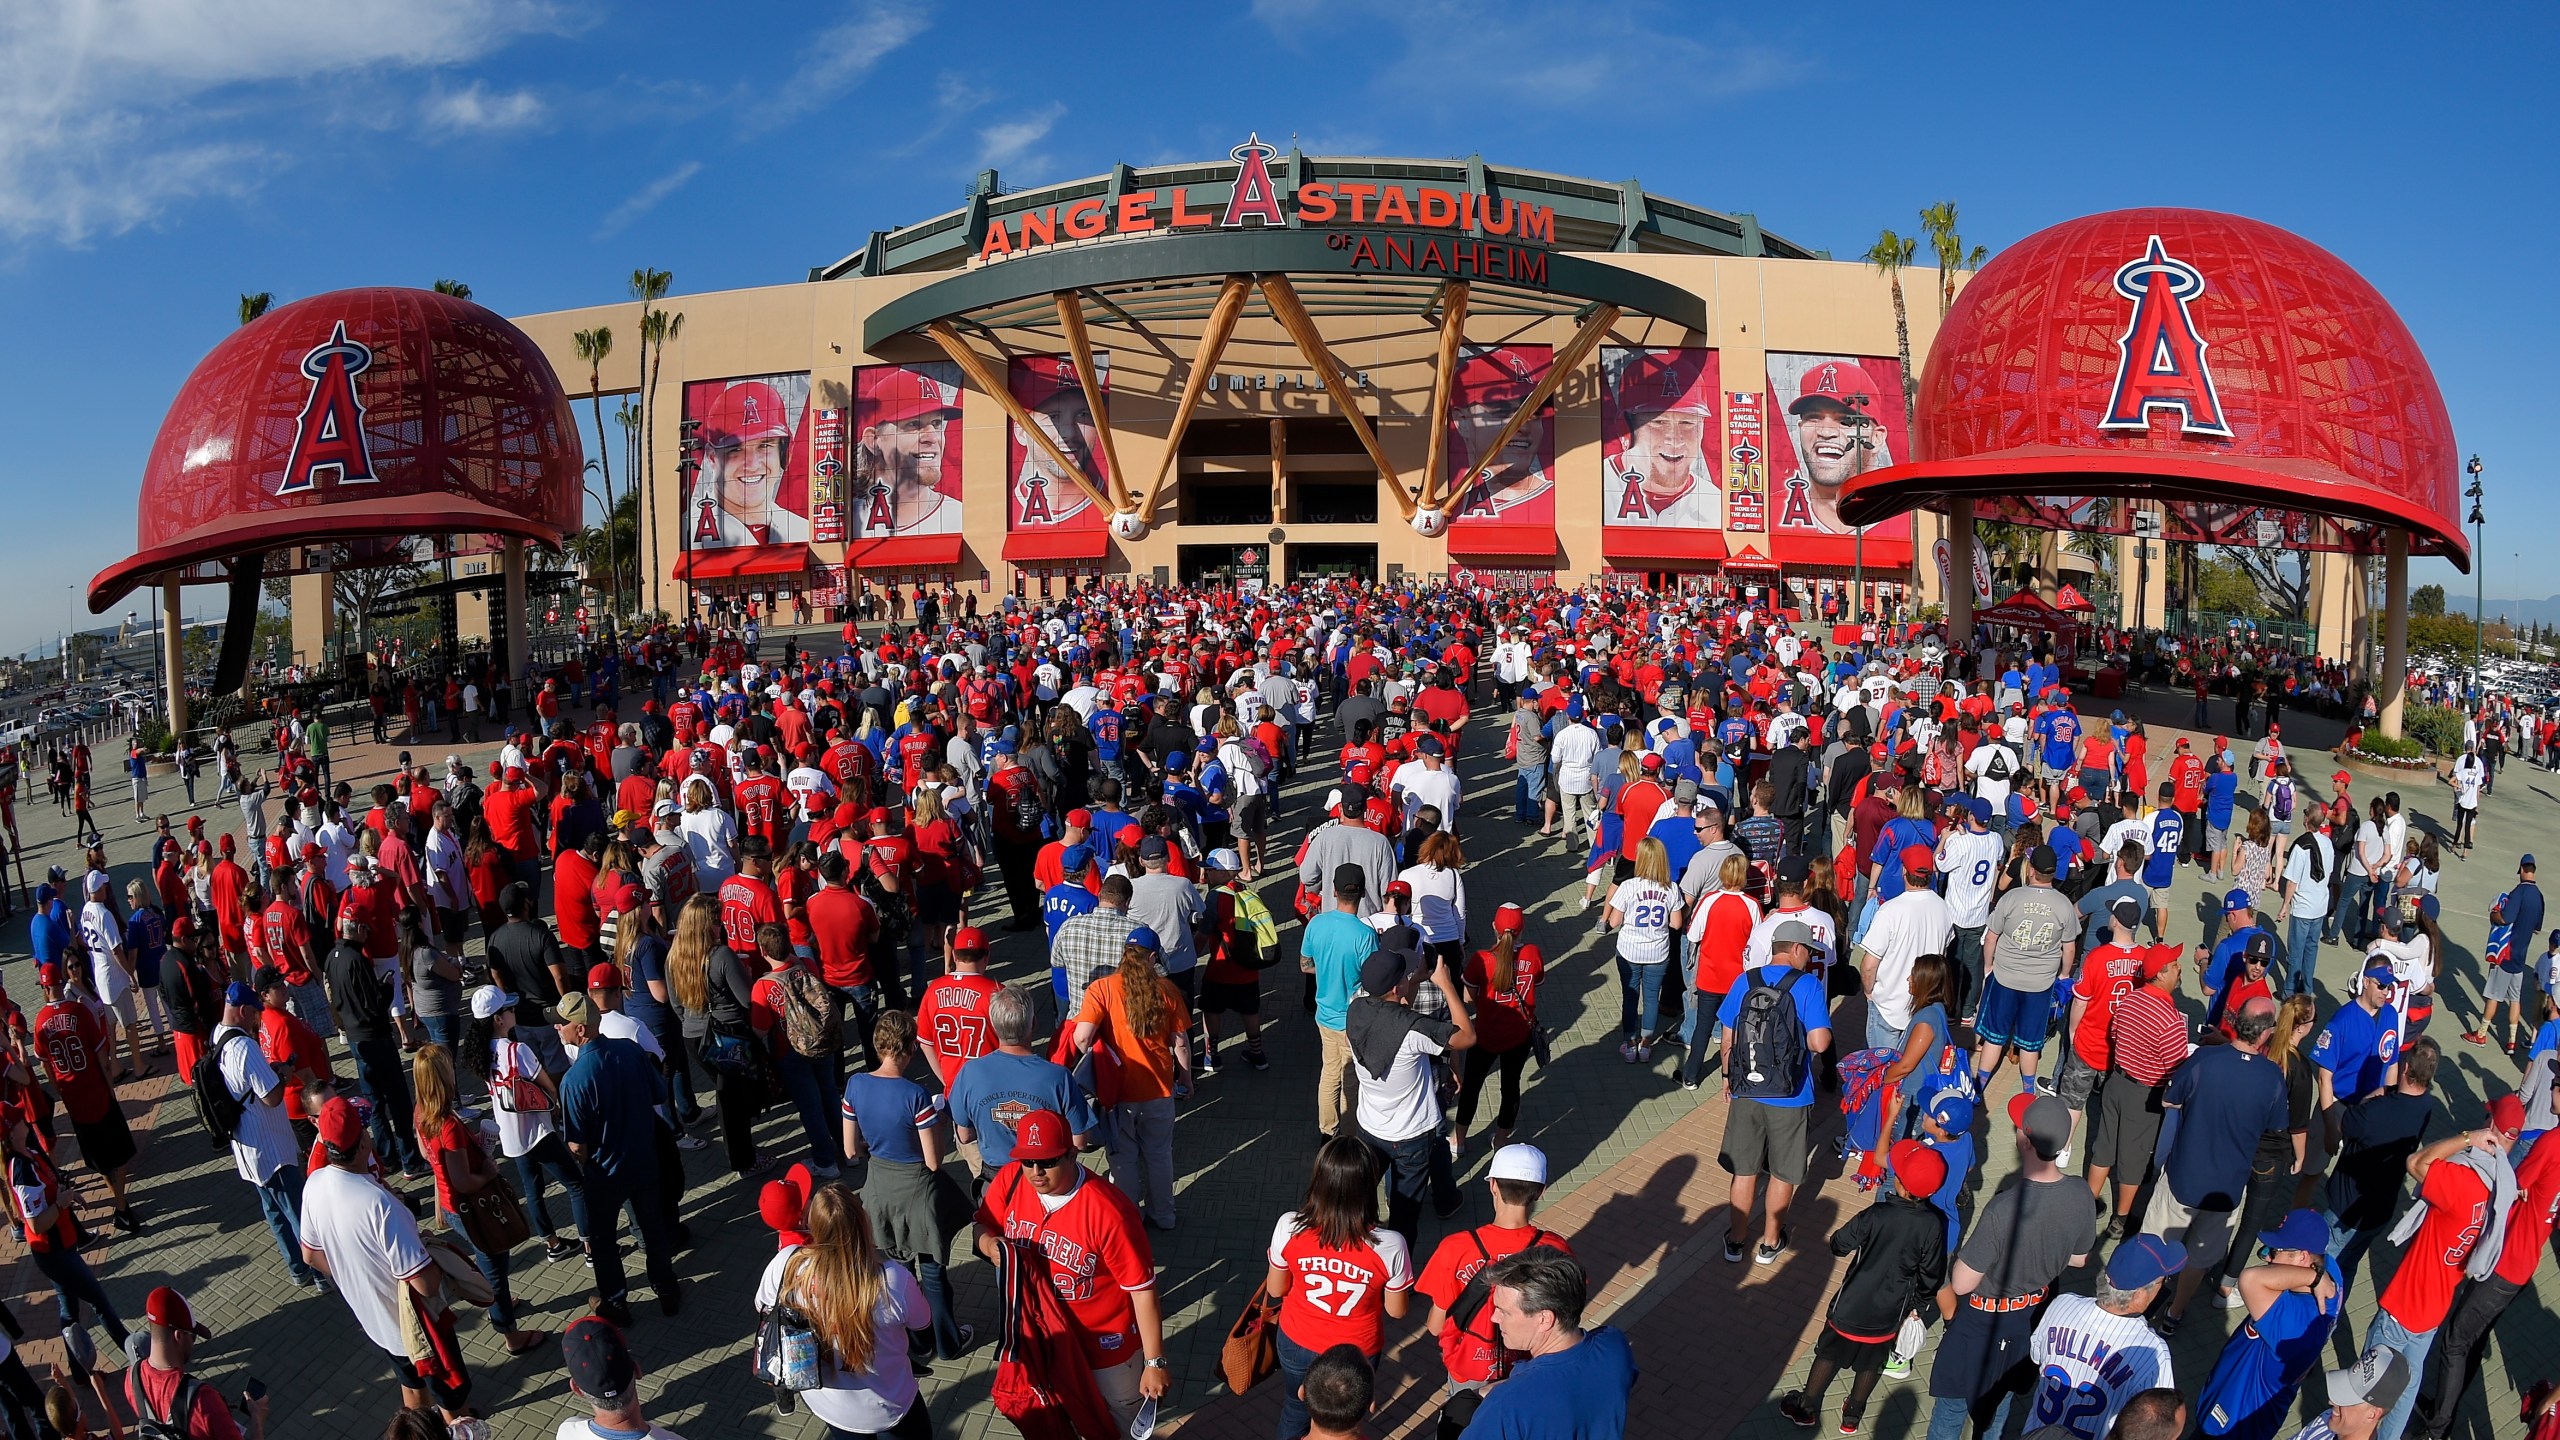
{"points": [[353, 414], [2212, 362]]}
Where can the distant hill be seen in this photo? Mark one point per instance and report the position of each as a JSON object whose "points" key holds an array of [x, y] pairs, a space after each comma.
{"points": [[2523, 612]]}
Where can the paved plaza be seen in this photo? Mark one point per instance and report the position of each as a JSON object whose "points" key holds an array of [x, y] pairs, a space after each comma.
{"points": [[1637, 1189]]}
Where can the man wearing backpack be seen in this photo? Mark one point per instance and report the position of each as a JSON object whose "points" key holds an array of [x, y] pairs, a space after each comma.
{"points": [[1017, 809], [170, 1404], [242, 1099], [1459, 1283], [1775, 1022]]}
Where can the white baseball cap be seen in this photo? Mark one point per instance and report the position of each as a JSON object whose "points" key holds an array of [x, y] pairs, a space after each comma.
{"points": [[488, 1000], [1520, 1162]]}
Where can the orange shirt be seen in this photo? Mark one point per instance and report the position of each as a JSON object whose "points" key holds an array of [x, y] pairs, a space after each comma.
{"points": [[1147, 1071]]}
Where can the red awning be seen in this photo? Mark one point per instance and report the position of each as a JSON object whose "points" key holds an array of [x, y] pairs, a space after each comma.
{"points": [[1646, 546], [906, 552], [1495, 540], [1797, 547], [736, 562], [1752, 561], [1051, 542]]}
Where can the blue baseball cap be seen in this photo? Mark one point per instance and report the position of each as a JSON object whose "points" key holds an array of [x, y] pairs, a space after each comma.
{"points": [[1075, 858], [2144, 1260], [2236, 900], [2301, 1230], [1000, 747], [1980, 808], [240, 994], [1145, 939]]}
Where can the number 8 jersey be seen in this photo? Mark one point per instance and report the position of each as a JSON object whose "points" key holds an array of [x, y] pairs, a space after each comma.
{"points": [[1335, 1296]]}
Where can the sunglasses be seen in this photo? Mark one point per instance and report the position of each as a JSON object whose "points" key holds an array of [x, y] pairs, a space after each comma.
{"points": [[1051, 1163]]}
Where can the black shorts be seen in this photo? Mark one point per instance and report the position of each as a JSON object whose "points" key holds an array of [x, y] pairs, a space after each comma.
{"points": [[106, 1143], [1854, 1356], [1220, 998], [2126, 1126], [1253, 816], [406, 1374]]}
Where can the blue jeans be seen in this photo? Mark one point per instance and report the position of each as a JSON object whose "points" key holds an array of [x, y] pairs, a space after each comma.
{"points": [[2349, 1247], [1881, 1036], [493, 1268], [551, 1157], [445, 1030], [2301, 952], [805, 1081], [75, 1284], [385, 1082], [1639, 997], [280, 1197], [861, 1011], [2389, 1334], [2352, 890], [947, 1340]]}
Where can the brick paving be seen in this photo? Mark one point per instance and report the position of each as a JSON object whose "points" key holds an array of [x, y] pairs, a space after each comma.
{"points": [[1636, 1188]]}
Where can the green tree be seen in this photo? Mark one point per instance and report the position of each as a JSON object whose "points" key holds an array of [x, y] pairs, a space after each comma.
{"points": [[2222, 587], [256, 304], [648, 287], [2427, 600], [1889, 254], [593, 346], [454, 288], [1938, 223]]}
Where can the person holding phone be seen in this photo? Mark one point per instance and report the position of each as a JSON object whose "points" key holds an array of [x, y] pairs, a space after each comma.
{"points": [[158, 1387]]}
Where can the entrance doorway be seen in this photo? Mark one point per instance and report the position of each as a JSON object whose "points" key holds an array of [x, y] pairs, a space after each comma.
{"points": [[1317, 562], [1247, 564]]}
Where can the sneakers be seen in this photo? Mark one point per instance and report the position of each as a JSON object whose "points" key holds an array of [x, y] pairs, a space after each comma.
{"points": [[1254, 1057], [1644, 1053], [2475, 1037], [2116, 1228], [561, 1247], [1896, 1367], [756, 1167], [1208, 1065], [692, 1142], [1851, 1422], [1732, 1251], [1768, 1254], [1627, 1051], [826, 1172], [617, 1316], [1798, 1413], [2230, 1299]]}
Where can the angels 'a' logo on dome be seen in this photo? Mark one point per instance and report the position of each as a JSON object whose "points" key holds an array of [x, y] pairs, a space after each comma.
{"points": [[328, 436], [2160, 362], [1254, 196]]}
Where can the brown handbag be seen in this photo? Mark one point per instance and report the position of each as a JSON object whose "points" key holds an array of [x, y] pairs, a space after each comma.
{"points": [[491, 1215], [1252, 1351]]}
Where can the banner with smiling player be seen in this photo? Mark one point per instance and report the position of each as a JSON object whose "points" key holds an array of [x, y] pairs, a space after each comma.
{"points": [[750, 487], [1833, 416], [1658, 439], [906, 453]]}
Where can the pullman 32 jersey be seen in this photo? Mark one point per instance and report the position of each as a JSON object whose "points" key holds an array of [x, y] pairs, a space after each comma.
{"points": [[2089, 1362]]}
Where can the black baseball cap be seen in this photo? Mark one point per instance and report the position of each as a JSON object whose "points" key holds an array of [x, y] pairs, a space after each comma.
{"points": [[599, 1361]]}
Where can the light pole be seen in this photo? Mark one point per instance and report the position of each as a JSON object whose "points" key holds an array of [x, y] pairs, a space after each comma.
{"points": [[2479, 578], [1859, 423]]}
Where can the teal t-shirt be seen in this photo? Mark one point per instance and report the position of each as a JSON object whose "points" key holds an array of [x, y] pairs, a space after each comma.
{"points": [[1337, 944]]}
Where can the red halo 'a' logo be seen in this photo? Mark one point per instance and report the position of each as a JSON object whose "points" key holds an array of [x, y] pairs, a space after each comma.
{"points": [[2160, 362], [1254, 194], [328, 436]]}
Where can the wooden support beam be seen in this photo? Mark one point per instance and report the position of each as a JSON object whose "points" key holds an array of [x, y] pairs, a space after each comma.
{"points": [[1569, 359], [1080, 350], [984, 376], [1293, 317], [1453, 328], [1204, 361], [1279, 468]]}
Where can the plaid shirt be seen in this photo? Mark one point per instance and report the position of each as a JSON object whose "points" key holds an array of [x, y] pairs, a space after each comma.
{"points": [[1089, 945]]}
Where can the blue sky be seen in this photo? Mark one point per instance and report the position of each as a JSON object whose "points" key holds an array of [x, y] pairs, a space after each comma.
{"points": [[158, 157]]}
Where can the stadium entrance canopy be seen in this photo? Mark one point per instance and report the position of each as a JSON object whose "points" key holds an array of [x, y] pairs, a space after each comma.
{"points": [[361, 427], [1229, 249], [2235, 382]]}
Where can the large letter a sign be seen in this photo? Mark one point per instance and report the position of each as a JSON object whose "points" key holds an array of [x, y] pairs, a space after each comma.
{"points": [[328, 437], [2162, 361]]}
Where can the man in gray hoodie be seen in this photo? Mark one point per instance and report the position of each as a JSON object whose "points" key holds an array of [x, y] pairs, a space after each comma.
{"points": [[1349, 841]]}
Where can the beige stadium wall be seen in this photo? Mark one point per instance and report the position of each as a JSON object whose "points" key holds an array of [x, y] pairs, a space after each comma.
{"points": [[1753, 307]]}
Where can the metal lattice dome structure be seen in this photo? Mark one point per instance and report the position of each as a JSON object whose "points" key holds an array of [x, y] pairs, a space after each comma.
{"points": [[2225, 368]]}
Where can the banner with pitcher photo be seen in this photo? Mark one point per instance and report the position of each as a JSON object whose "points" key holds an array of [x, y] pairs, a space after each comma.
{"points": [[906, 454], [1039, 496], [1658, 466]]}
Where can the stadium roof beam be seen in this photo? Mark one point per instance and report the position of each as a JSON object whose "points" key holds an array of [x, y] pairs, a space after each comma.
{"points": [[1080, 350], [1452, 306], [1293, 317], [1213, 343], [975, 366]]}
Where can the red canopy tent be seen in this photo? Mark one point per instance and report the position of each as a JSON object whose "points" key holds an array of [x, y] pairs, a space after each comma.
{"points": [[2070, 598], [2028, 611]]}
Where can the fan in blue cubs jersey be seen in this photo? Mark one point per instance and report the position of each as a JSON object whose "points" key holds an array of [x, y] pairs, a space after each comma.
{"points": [[2093, 1355], [2167, 828], [1105, 726], [2293, 1303]]}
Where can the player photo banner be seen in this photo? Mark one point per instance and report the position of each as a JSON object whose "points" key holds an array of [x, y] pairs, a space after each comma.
{"points": [[1746, 463], [1657, 439], [1037, 496], [751, 482], [1518, 486], [906, 450], [1837, 416]]}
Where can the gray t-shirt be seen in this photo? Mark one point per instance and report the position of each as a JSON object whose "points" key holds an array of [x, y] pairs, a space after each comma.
{"points": [[2033, 923], [1170, 906], [2097, 908], [2025, 1237], [1532, 740], [428, 993]]}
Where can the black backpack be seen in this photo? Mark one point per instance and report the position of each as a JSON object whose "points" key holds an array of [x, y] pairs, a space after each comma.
{"points": [[216, 1106], [1998, 766], [1769, 1056], [171, 1425]]}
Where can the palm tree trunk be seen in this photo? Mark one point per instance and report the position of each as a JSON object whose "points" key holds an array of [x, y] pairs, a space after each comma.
{"points": [[604, 459], [649, 457], [1902, 342]]}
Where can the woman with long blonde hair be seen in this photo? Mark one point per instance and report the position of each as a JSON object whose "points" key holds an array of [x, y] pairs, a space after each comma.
{"points": [[859, 1304], [712, 995], [462, 1170], [1147, 1023]]}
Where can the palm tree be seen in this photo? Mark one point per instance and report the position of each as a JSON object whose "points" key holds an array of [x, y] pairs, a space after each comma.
{"points": [[661, 328], [647, 286], [1890, 253], [253, 306], [593, 346], [1938, 222], [454, 288]]}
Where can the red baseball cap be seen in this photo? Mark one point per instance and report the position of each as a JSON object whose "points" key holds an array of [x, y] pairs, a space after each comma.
{"points": [[2506, 1115], [1399, 887], [168, 1309], [969, 938], [1041, 1135], [783, 1207], [1080, 818], [1920, 1169], [1129, 835], [2156, 958], [1833, 382], [604, 975], [1918, 857], [1510, 920], [339, 1128], [1651, 761]]}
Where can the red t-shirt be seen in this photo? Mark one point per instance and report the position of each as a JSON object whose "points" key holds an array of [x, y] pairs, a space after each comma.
{"points": [[288, 940], [1443, 707], [509, 811], [951, 1022], [573, 899], [2110, 975], [2421, 1290], [745, 903], [2530, 1219], [1475, 1353], [1338, 1297], [71, 1040], [841, 924], [209, 1419], [1098, 1255], [761, 800], [1639, 803], [791, 888], [1724, 937]]}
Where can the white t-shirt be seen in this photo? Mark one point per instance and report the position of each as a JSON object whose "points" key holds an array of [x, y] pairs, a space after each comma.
{"points": [[372, 1247], [262, 1143], [1971, 863], [1826, 937], [588, 1429], [2368, 854], [1423, 785], [1573, 749], [1439, 902], [1914, 923], [100, 932], [1400, 1104], [1644, 933], [2310, 897], [869, 1401], [2469, 775], [517, 1132]]}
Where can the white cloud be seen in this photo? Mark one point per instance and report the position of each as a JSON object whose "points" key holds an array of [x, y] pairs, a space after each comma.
{"points": [[1010, 142], [477, 108], [837, 58], [112, 110], [647, 198]]}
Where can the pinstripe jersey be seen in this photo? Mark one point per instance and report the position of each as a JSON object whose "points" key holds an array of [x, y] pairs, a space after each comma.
{"points": [[2089, 1362]]}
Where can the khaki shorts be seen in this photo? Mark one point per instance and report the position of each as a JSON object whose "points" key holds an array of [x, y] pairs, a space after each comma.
{"points": [[2205, 1233], [1771, 1140]]}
